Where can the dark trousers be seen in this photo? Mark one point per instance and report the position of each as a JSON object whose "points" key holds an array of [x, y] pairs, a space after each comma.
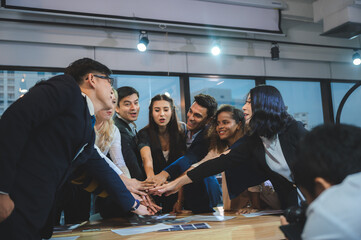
{"points": [[109, 209], [199, 196], [75, 202], [166, 203]]}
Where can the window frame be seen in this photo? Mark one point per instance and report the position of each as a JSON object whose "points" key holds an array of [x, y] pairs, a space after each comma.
{"points": [[184, 81]]}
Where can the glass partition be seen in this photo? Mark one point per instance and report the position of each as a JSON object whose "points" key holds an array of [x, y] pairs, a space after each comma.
{"points": [[303, 100], [351, 112], [224, 90], [14, 84], [148, 87]]}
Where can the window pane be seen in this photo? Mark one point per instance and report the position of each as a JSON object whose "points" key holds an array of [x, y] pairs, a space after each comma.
{"points": [[13, 84], [148, 87], [351, 111], [303, 100], [225, 91]]}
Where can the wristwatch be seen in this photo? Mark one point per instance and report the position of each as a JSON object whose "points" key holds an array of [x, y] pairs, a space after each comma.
{"points": [[136, 205]]}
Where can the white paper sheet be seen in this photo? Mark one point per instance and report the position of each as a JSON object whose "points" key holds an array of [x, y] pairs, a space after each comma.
{"points": [[64, 238], [262, 213], [201, 218], [138, 230]]}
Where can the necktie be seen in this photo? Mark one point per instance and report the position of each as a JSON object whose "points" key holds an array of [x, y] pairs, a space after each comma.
{"points": [[93, 120]]}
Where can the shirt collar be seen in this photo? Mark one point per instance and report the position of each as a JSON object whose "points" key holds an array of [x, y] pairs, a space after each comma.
{"points": [[270, 142], [188, 134], [89, 103], [129, 123]]}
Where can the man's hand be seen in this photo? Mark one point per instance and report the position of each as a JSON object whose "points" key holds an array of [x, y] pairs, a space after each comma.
{"points": [[283, 220], [142, 210], [152, 207], [148, 202], [6, 206]]}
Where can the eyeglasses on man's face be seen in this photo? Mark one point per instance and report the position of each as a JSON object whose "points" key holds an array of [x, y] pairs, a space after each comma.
{"points": [[110, 80]]}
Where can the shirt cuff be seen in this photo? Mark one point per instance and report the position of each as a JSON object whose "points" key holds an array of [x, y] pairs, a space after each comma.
{"points": [[4, 193]]}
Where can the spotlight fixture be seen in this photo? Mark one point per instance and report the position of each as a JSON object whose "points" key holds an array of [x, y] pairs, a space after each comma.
{"points": [[356, 58], [143, 41], [275, 52], [216, 49]]}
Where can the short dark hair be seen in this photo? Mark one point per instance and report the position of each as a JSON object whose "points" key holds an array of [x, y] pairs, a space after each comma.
{"points": [[207, 102], [125, 91], [329, 151], [79, 68], [269, 113]]}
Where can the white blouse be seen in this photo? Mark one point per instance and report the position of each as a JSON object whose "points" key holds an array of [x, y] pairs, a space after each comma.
{"points": [[275, 158], [166, 155], [115, 152]]}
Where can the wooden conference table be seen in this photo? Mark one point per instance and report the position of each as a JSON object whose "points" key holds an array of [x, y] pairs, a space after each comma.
{"points": [[240, 227]]}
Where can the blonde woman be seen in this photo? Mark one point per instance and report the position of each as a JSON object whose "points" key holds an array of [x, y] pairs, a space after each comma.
{"points": [[108, 137], [108, 140]]}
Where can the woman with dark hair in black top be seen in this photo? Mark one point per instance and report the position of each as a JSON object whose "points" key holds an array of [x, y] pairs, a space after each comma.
{"points": [[271, 144], [162, 142]]}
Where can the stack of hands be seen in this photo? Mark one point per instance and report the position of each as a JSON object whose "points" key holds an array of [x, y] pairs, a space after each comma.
{"points": [[158, 185], [154, 185]]}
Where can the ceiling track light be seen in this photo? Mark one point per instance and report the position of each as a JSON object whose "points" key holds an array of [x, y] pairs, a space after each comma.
{"points": [[143, 41], [216, 48], [356, 60], [275, 52]]}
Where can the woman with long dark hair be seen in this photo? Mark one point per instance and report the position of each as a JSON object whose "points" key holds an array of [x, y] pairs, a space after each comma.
{"points": [[271, 143], [162, 142]]}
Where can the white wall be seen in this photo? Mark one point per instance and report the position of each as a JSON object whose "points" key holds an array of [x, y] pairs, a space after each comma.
{"points": [[39, 45]]}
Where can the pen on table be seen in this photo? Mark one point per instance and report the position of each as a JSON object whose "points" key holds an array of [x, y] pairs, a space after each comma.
{"points": [[77, 225]]}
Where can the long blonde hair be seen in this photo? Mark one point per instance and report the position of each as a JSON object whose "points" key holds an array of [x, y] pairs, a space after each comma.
{"points": [[105, 136]]}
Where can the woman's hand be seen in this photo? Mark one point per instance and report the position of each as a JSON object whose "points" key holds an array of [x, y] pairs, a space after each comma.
{"points": [[171, 187], [159, 179], [150, 178], [135, 186], [155, 180], [177, 207], [247, 210]]}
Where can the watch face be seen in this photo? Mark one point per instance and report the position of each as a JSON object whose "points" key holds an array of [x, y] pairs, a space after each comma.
{"points": [[136, 206]]}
